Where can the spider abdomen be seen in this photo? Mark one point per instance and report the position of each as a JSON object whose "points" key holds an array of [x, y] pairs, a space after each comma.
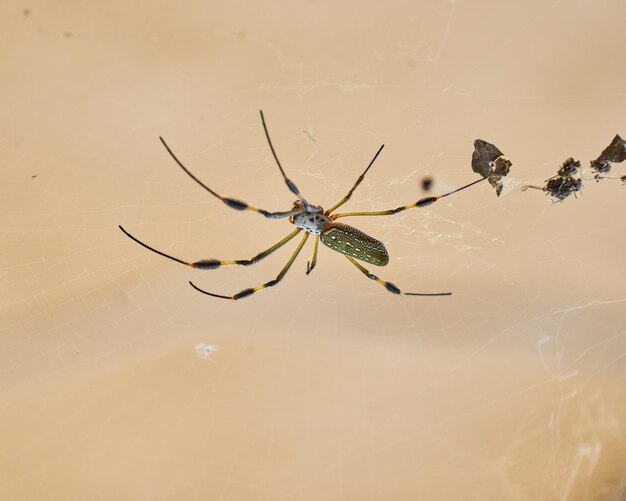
{"points": [[354, 243]]}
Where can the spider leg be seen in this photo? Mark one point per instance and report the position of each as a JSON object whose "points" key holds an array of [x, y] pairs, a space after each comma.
{"points": [[311, 265], [211, 264], [292, 187], [422, 202], [358, 182], [271, 283], [231, 202], [388, 285]]}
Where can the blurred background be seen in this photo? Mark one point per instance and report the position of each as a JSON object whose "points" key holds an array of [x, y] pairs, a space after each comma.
{"points": [[119, 381]]}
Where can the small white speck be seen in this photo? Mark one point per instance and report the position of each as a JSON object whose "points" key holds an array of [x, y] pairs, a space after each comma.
{"points": [[590, 449], [204, 351]]}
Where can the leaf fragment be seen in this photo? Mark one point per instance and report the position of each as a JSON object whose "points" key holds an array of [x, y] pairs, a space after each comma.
{"points": [[490, 163]]}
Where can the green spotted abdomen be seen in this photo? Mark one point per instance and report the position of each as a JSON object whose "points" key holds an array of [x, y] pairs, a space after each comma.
{"points": [[354, 243]]}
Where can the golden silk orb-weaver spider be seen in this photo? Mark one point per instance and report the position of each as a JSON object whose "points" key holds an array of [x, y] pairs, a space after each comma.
{"points": [[311, 219]]}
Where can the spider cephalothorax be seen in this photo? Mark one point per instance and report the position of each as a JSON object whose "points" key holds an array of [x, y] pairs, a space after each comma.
{"points": [[312, 219], [311, 222]]}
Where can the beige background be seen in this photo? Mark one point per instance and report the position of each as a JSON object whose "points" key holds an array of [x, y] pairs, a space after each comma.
{"points": [[326, 387]]}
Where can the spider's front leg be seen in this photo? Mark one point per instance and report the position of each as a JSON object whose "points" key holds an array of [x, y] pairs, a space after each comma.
{"points": [[422, 202], [233, 203]]}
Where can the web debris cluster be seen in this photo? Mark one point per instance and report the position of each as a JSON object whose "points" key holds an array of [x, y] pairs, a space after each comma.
{"points": [[569, 178]]}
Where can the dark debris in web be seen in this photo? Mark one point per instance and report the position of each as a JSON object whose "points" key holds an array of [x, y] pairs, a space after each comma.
{"points": [[613, 153], [569, 178], [568, 181]]}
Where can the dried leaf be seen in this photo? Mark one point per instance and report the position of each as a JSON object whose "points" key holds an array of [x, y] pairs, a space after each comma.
{"points": [[614, 152], [489, 162], [484, 154]]}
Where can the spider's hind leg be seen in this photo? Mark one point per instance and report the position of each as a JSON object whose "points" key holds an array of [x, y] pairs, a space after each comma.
{"points": [[310, 265], [271, 283], [388, 285]]}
